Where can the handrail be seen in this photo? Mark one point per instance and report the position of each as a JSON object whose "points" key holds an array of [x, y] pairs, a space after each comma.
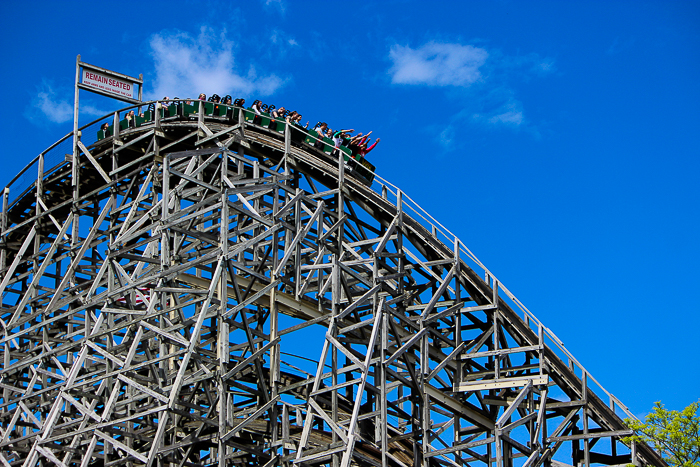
{"points": [[384, 186], [33, 161], [63, 139], [452, 239], [119, 111]]}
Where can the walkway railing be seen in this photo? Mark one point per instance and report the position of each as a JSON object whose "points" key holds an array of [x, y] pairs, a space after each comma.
{"points": [[391, 192]]}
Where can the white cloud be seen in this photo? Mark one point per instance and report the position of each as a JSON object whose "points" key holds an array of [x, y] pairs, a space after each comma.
{"points": [[437, 64], [277, 38], [53, 107], [446, 137], [525, 66], [511, 117], [509, 114], [477, 81], [94, 111], [545, 66], [278, 5], [186, 66]]}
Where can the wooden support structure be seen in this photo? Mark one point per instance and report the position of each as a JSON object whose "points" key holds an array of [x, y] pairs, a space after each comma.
{"points": [[213, 292]]}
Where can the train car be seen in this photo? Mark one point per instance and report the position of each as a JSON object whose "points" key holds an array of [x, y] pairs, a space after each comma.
{"points": [[355, 165]]}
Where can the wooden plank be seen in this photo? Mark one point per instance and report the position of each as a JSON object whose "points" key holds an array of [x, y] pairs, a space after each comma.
{"points": [[49, 455], [460, 447], [193, 152], [251, 418], [250, 358], [499, 352], [121, 446], [514, 405], [411, 342], [322, 413], [148, 134], [502, 383], [18, 259], [94, 162], [142, 388], [217, 135], [172, 336], [591, 435], [446, 361]]}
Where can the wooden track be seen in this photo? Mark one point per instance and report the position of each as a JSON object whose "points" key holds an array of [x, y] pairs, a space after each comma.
{"points": [[137, 334]]}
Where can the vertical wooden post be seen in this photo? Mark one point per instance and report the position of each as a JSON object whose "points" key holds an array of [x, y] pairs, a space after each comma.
{"points": [[200, 120], [497, 445], [165, 251], [141, 88], [165, 201], [223, 334], [458, 342], [275, 351], [384, 395], [337, 296], [156, 118], [496, 337], [76, 108], [3, 261], [287, 139], [116, 138], [3, 227], [75, 163], [37, 238], [586, 445], [341, 201]]}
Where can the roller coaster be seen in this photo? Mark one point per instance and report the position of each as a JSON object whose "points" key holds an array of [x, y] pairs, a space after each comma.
{"points": [[197, 289]]}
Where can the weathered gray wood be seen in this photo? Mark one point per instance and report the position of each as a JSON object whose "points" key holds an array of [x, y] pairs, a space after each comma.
{"points": [[170, 296], [591, 435]]}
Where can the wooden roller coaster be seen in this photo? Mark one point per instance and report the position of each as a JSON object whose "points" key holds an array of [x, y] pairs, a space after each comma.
{"points": [[198, 290]]}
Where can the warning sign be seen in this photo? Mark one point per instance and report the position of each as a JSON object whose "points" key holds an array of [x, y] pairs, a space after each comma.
{"points": [[109, 84]]}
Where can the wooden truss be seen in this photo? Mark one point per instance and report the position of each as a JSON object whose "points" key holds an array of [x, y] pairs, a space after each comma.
{"points": [[164, 289]]}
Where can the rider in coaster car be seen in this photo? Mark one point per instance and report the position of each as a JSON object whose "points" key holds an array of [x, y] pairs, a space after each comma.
{"points": [[257, 108]]}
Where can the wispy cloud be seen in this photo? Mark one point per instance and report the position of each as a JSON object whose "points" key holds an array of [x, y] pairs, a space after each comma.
{"points": [[53, 104], [278, 5], [478, 81], [510, 117], [545, 65], [186, 66], [53, 107], [281, 38], [509, 114], [437, 64], [526, 66], [446, 137]]}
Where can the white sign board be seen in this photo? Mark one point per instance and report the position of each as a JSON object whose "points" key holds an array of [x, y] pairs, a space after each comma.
{"points": [[109, 84]]}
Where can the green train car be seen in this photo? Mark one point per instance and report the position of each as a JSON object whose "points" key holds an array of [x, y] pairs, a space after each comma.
{"points": [[356, 165]]}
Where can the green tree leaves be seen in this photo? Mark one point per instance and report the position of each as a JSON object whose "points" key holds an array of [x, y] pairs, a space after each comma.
{"points": [[676, 435]]}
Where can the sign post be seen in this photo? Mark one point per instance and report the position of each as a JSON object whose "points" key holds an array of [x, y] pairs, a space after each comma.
{"points": [[109, 83], [106, 83]]}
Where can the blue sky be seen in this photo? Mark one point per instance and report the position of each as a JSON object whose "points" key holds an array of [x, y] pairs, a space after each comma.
{"points": [[558, 140]]}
